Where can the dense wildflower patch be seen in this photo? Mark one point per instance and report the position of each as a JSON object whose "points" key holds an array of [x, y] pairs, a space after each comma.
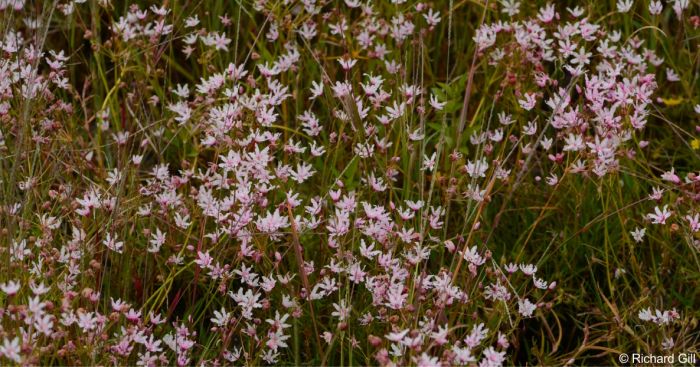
{"points": [[348, 182]]}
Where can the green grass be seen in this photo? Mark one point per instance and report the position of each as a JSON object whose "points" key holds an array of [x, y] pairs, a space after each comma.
{"points": [[576, 232]]}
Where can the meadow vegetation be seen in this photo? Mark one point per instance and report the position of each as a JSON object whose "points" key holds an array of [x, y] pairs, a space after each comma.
{"points": [[348, 182]]}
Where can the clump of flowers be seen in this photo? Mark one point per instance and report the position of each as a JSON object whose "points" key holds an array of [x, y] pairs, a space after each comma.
{"points": [[311, 192]]}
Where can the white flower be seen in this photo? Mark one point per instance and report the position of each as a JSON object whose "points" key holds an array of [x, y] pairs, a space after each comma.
{"points": [[623, 6], [655, 7], [342, 310], [528, 269], [492, 358], [526, 308], [11, 349], [113, 244], [397, 337], [660, 215], [436, 103], [510, 7], [478, 168], [529, 102], [668, 343], [671, 75], [638, 234], [10, 288], [428, 162], [157, 240], [432, 17], [221, 318]]}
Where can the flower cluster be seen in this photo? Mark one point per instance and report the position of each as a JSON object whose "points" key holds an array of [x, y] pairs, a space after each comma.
{"points": [[300, 181]]}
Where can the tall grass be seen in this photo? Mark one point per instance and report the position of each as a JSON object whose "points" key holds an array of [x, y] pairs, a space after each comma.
{"points": [[386, 181]]}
